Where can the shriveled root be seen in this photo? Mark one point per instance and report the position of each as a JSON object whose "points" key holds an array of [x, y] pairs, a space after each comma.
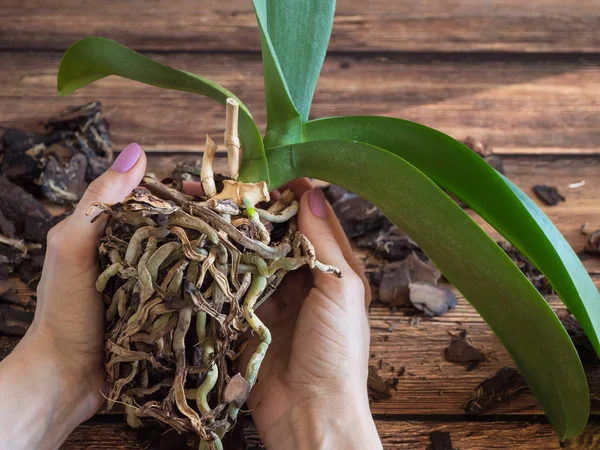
{"points": [[182, 278]]}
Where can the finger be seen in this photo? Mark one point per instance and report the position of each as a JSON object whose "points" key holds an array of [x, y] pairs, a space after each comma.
{"points": [[274, 196], [193, 188], [298, 186], [317, 221], [282, 308], [112, 186], [346, 247]]}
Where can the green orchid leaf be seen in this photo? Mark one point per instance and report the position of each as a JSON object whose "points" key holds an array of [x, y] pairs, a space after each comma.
{"points": [[94, 58], [300, 32], [458, 169], [467, 256], [284, 124]]}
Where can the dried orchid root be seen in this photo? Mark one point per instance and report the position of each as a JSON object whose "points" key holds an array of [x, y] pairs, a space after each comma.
{"points": [[207, 177], [256, 288], [130, 411], [212, 374], [214, 444], [182, 278], [232, 141], [279, 217]]}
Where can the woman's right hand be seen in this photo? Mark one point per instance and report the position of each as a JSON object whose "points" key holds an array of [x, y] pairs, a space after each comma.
{"points": [[312, 385]]}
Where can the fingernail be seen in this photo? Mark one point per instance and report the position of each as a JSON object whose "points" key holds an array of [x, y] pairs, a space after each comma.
{"points": [[127, 158], [317, 203]]}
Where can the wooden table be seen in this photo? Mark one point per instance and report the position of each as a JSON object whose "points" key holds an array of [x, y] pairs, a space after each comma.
{"points": [[521, 76]]}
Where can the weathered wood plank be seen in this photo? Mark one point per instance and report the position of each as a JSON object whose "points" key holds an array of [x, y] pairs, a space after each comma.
{"points": [[383, 25], [522, 106], [102, 436], [487, 435], [432, 385], [395, 435]]}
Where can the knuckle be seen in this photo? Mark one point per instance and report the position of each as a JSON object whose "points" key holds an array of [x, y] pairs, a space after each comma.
{"points": [[354, 283], [54, 239], [97, 190], [349, 285]]}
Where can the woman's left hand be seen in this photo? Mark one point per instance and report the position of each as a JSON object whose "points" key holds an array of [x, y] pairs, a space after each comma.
{"points": [[54, 378]]}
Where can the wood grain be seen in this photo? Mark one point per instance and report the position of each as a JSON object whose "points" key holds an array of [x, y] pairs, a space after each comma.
{"points": [[407, 26], [432, 385], [478, 436], [523, 105], [395, 435]]}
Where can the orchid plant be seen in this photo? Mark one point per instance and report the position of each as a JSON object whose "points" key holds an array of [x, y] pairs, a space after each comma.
{"points": [[405, 169]]}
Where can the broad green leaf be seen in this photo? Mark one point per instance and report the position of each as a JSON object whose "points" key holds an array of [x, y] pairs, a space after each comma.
{"points": [[456, 168], [300, 31], [284, 124], [467, 256], [94, 58]]}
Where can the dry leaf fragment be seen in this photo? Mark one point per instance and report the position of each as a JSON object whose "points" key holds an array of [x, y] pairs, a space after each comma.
{"points": [[432, 300], [237, 390]]}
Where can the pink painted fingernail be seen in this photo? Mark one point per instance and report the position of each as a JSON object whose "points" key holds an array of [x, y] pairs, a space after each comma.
{"points": [[317, 203], [127, 158]]}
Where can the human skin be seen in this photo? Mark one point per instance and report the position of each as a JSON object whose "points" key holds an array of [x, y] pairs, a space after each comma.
{"points": [[311, 391]]}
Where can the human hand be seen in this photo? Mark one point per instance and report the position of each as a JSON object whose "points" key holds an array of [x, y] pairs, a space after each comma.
{"points": [[312, 385], [53, 380]]}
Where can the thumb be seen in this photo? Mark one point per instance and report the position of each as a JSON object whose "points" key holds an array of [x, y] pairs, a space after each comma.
{"points": [[112, 186], [318, 222]]}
